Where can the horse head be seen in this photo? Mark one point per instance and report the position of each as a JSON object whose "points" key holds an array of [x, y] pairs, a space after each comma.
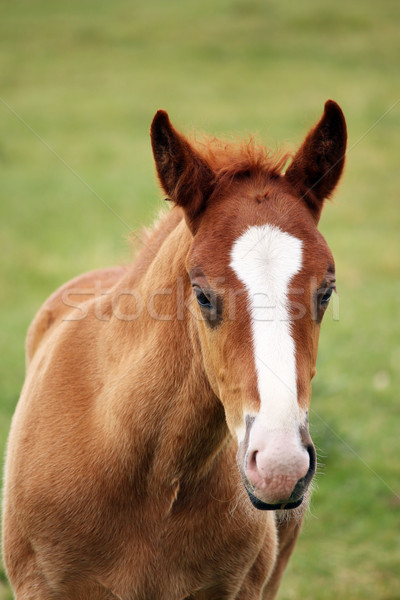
{"points": [[262, 277]]}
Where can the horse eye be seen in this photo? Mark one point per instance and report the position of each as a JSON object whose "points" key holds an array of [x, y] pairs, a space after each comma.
{"points": [[326, 297], [202, 299]]}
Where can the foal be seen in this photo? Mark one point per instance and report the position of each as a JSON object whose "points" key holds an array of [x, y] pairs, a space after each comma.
{"points": [[160, 448]]}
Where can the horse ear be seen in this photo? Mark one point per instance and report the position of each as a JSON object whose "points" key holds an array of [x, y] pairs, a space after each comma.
{"points": [[318, 164], [184, 175]]}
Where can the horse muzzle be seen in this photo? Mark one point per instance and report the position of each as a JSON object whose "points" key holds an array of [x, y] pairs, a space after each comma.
{"points": [[278, 467]]}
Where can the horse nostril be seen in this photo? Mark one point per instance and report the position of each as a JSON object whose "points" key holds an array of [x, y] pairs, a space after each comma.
{"points": [[313, 460], [251, 460], [303, 483]]}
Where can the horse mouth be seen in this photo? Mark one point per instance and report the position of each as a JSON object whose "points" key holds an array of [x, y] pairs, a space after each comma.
{"points": [[260, 505]]}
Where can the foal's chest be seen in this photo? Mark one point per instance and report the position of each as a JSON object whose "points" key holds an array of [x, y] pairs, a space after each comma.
{"points": [[209, 553]]}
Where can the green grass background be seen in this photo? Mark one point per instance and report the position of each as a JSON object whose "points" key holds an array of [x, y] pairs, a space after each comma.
{"points": [[85, 78]]}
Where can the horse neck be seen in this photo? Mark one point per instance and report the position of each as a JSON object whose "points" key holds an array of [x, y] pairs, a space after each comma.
{"points": [[172, 413]]}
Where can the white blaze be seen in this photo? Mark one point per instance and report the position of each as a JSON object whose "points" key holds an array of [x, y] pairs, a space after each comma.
{"points": [[265, 259]]}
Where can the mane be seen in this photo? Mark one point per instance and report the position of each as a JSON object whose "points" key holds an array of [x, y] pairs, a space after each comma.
{"points": [[230, 159]]}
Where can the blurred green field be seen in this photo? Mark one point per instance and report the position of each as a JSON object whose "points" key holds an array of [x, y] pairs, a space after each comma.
{"points": [[85, 78]]}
